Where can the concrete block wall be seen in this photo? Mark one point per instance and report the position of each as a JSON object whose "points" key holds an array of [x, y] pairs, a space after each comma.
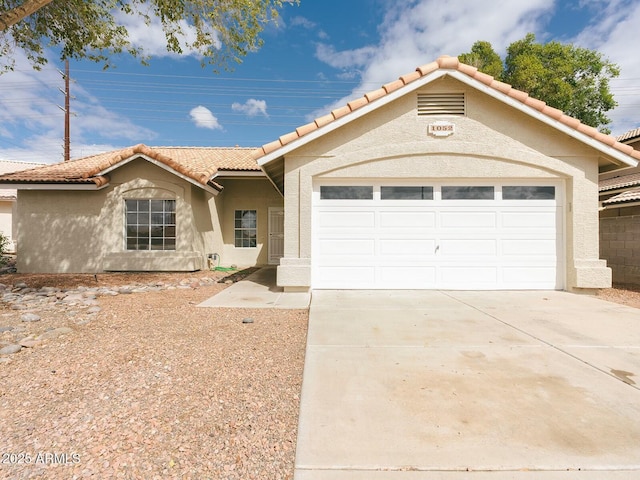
{"points": [[620, 247]]}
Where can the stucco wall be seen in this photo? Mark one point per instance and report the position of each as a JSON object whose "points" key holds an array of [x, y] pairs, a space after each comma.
{"points": [[247, 194], [83, 231], [491, 141], [60, 231]]}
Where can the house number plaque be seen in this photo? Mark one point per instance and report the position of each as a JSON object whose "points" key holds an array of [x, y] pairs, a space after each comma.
{"points": [[442, 129]]}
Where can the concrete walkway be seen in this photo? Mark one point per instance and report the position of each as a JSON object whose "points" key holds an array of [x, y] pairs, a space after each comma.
{"points": [[409, 385], [258, 290]]}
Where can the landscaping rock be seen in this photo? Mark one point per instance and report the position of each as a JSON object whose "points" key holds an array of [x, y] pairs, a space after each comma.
{"points": [[29, 342], [10, 349], [30, 317], [55, 333]]}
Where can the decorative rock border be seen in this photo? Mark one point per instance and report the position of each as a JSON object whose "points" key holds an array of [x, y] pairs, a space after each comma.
{"points": [[80, 304]]}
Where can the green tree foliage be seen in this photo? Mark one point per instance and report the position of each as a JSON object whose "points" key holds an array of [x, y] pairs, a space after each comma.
{"points": [[220, 31], [484, 58], [569, 78]]}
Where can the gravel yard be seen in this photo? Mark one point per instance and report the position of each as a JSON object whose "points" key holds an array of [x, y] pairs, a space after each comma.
{"points": [[146, 385], [150, 386]]}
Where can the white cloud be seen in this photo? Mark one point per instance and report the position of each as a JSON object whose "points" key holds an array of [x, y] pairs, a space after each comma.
{"points": [[152, 39], [299, 21], [421, 31], [202, 117], [415, 33], [613, 34], [32, 122], [251, 107], [49, 148]]}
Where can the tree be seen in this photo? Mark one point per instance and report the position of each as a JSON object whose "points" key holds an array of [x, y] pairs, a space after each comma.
{"points": [[221, 32], [484, 58], [570, 78]]}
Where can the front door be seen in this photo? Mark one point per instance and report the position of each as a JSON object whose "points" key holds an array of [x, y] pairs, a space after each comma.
{"points": [[276, 235]]}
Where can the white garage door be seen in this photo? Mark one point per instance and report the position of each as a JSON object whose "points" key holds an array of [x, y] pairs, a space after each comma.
{"points": [[447, 236]]}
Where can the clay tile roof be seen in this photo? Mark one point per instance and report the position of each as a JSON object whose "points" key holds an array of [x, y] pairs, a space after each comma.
{"points": [[449, 63], [7, 166], [622, 181], [630, 135], [625, 197], [198, 164]]}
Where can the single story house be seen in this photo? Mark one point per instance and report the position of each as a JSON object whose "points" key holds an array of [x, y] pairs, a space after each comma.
{"points": [[620, 218], [444, 178]]}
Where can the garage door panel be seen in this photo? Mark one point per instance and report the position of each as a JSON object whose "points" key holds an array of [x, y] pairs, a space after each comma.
{"points": [[530, 276], [526, 219], [464, 247], [456, 276], [345, 277], [349, 247], [346, 219], [523, 246], [467, 219], [410, 277], [407, 220], [407, 247]]}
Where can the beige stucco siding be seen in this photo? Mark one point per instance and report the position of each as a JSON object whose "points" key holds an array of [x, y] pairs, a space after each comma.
{"points": [[247, 194], [492, 141], [85, 230], [60, 231]]}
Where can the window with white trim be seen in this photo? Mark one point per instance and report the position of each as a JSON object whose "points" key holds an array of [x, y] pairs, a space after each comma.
{"points": [[246, 228], [150, 224]]}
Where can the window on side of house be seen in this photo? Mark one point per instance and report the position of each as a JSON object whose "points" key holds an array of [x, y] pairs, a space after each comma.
{"points": [[246, 228], [150, 224]]}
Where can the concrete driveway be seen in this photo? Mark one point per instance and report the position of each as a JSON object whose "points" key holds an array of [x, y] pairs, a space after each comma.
{"points": [[443, 385]]}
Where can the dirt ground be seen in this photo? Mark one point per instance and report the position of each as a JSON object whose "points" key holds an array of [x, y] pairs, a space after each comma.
{"points": [[152, 387], [624, 294], [155, 387]]}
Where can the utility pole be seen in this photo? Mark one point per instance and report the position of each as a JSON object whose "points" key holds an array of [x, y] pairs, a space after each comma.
{"points": [[67, 111]]}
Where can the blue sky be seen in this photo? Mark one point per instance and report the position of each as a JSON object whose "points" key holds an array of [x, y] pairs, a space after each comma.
{"points": [[321, 54]]}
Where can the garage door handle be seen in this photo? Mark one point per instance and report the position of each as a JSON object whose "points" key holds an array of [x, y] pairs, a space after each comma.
{"points": [[437, 248]]}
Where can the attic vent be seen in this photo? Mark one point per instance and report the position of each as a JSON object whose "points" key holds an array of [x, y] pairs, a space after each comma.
{"points": [[430, 104]]}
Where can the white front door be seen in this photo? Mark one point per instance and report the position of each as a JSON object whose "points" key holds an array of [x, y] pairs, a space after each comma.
{"points": [[276, 235], [450, 235]]}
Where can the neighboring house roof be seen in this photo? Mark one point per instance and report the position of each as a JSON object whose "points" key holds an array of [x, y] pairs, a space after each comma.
{"points": [[630, 196], [199, 165], [8, 166], [630, 135], [616, 183], [422, 75]]}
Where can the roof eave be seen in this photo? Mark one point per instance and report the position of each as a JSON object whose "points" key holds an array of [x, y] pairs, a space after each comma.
{"points": [[30, 185], [622, 204], [238, 173], [617, 159], [207, 187], [350, 117], [625, 161]]}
